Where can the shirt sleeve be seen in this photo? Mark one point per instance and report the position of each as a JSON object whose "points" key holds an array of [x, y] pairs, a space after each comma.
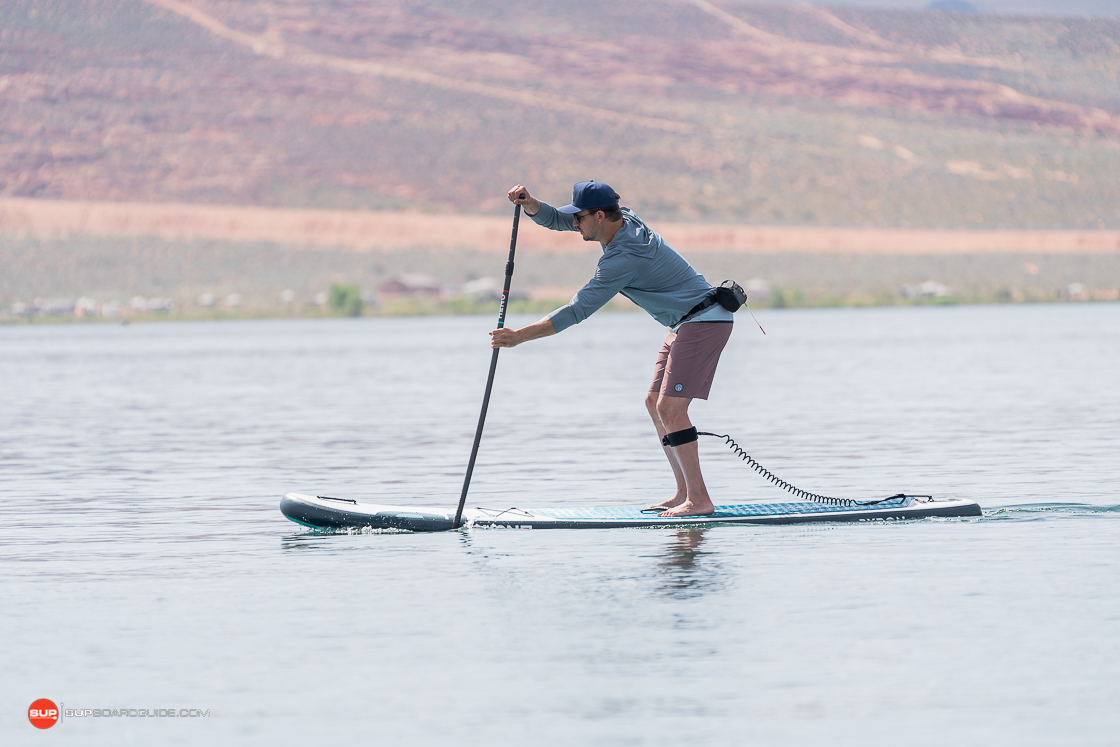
{"points": [[553, 219], [613, 274]]}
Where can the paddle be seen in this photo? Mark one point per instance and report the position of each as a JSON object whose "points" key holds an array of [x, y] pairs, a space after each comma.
{"points": [[493, 367]]}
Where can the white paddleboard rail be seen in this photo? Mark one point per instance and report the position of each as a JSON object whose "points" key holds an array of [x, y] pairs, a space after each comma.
{"points": [[324, 512]]}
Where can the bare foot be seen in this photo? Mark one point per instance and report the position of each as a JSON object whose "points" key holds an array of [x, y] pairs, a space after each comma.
{"points": [[702, 507], [673, 502]]}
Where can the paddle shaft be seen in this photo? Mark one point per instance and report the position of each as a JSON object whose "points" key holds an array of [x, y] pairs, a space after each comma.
{"points": [[493, 368]]}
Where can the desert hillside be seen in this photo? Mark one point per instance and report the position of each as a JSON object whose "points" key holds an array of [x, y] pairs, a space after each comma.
{"points": [[696, 111]]}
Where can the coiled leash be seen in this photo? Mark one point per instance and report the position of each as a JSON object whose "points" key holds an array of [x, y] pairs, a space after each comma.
{"points": [[688, 435]]}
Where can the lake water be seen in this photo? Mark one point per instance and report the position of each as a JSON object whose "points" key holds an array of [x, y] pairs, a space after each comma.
{"points": [[144, 563]]}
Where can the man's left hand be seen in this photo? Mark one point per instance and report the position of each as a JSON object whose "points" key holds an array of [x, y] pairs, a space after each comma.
{"points": [[505, 338]]}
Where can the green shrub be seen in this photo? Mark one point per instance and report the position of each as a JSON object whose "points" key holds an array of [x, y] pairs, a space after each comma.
{"points": [[345, 300]]}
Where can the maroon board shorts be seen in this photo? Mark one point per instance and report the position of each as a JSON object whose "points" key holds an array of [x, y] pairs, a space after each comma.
{"points": [[688, 359]]}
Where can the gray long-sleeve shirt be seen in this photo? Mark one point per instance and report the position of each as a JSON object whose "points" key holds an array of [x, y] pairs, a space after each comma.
{"points": [[640, 265]]}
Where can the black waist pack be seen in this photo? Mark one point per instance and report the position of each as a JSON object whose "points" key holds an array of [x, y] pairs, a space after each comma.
{"points": [[730, 295]]}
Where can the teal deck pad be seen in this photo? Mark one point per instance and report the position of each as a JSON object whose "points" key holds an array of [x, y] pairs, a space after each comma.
{"points": [[739, 509]]}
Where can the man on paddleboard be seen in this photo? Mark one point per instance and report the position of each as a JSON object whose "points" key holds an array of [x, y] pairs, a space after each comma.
{"points": [[640, 265]]}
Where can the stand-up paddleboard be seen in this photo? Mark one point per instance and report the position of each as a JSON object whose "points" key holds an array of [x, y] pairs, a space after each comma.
{"points": [[321, 512]]}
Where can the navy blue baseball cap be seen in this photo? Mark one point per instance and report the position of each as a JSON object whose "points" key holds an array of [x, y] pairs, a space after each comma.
{"points": [[587, 195]]}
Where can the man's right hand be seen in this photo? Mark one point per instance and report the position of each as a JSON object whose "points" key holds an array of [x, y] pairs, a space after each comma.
{"points": [[519, 195]]}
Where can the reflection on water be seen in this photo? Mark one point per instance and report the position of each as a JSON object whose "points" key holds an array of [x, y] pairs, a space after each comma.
{"points": [[686, 570]]}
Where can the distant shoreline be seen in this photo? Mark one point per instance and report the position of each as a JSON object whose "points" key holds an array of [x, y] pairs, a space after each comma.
{"points": [[460, 307]]}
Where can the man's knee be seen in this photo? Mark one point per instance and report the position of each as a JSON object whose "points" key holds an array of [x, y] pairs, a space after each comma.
{"points": [[651, 402], [669, 408]]}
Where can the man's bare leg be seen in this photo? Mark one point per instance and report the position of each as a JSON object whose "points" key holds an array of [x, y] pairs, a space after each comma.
{"points": [[682, 491], [673, 412]]}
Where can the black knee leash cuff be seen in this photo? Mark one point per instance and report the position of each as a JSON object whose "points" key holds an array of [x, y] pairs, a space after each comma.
{"points": [[679, 438]]}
